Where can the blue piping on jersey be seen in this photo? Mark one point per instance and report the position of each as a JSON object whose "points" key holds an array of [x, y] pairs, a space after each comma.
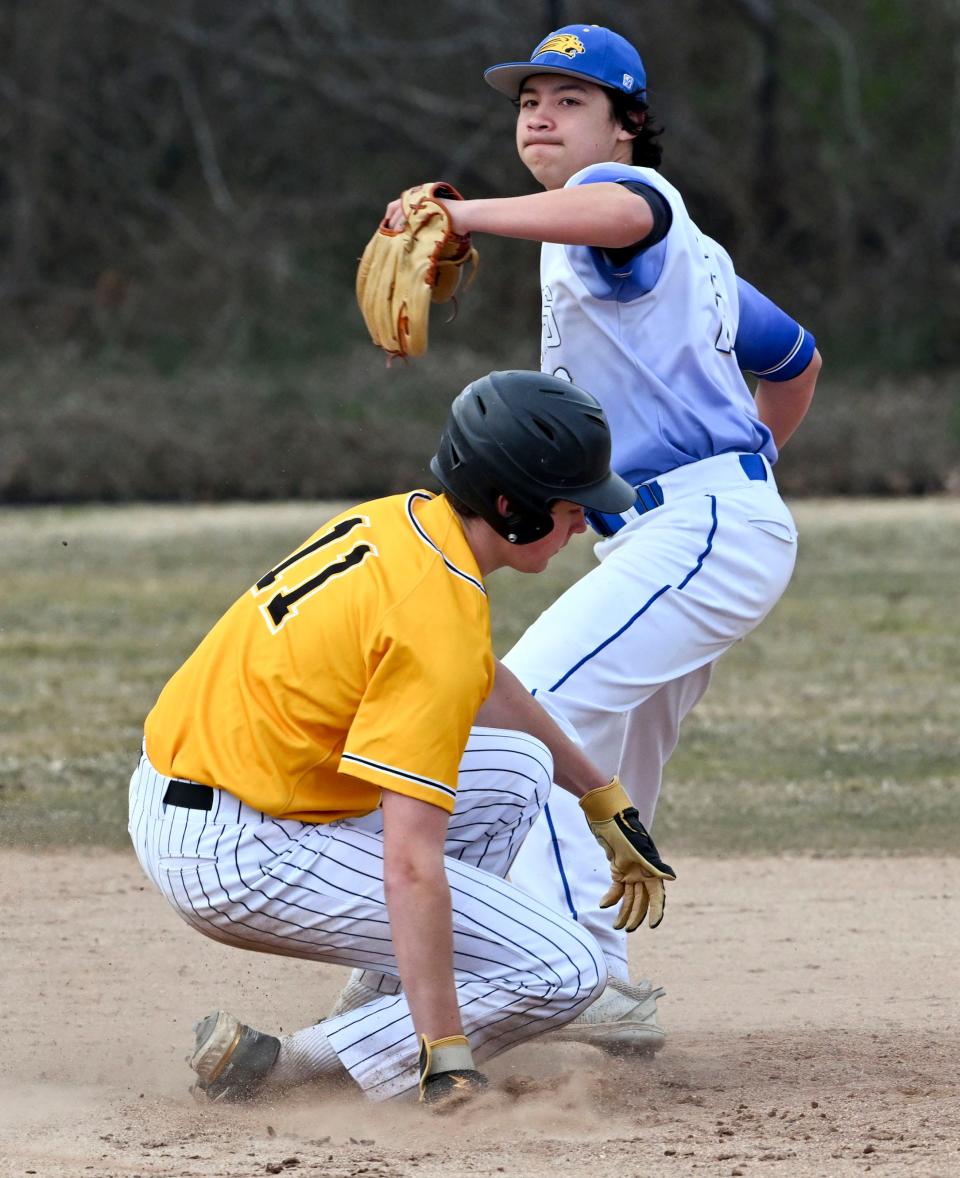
{"points": [[556, 854], [646, 605]]}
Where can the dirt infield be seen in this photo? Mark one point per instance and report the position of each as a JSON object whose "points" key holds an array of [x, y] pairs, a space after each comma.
{"points": [[812, 1005]]}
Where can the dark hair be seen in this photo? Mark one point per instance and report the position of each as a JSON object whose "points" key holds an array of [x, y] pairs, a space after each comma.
{"points": [[459, 506], [633, 114]]}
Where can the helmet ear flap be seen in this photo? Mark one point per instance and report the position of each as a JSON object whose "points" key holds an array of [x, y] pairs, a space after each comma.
{"points": [[525, 527], [521, 523]]}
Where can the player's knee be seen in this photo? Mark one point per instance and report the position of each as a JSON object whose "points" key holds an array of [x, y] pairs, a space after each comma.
{"points": [[583, 981], [511, 763], [539, 769], [591, 988]]}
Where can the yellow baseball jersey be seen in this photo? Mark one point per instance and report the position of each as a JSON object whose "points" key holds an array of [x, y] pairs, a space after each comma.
{"points": [[357, 664]]}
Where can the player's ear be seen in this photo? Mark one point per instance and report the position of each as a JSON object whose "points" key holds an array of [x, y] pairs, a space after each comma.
{"points": [[503, 506], [636, 120]]}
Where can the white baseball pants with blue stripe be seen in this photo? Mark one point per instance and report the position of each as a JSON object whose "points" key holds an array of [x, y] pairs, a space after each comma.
{"points": [[302, 890], [624, 654]]}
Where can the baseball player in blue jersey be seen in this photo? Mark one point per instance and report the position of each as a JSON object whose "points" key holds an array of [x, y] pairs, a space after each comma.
{"points": [[643, 309]]}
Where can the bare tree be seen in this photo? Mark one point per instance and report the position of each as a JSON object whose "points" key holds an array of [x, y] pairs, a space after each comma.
{"points": [[203, 173]]}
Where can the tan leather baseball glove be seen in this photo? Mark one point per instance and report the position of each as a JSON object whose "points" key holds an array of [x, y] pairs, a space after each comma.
{"points": [[403, 271]]}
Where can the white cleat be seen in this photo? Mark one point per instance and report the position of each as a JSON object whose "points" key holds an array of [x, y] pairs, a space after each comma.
{"points": [[622, 1021]]}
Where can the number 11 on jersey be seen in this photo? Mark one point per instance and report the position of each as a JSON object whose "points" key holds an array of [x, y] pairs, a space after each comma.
{"points": [[284, 603]]}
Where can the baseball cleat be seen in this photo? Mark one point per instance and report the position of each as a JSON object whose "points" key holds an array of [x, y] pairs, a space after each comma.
{"points": [[231, 1059], [622, 1021]]}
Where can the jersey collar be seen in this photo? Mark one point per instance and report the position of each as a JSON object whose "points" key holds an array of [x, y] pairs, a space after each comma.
{"points": [[438, 526]]}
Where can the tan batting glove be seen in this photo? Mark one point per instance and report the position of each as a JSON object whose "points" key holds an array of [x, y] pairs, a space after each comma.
{"points": [[637, 870]]}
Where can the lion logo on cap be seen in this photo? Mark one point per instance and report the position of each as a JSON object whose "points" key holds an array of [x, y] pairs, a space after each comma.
{"points": [[566, 43]]}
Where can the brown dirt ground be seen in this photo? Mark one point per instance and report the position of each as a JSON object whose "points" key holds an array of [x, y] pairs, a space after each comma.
{"points": [[812, 1008]]}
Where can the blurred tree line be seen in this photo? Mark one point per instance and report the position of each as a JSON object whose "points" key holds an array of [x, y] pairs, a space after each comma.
{"points": [[185, 189]]}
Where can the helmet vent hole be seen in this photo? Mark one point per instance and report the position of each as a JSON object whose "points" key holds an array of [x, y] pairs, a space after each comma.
{"points": [[544, 429], [481, 406]]}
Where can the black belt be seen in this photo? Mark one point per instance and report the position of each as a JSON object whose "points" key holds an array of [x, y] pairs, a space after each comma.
{"points": [[189, 794]]}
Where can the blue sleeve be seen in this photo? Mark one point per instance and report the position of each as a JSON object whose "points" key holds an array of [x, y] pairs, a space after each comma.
{"points": [[607, 173], [769, 343], [624, 278]]}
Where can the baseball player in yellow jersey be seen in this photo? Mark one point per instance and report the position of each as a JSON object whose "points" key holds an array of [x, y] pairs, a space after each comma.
{"points": [[341, 771]]}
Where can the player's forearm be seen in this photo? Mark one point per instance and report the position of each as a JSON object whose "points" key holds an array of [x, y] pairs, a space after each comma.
{"points": [[782, 406], [421, 925], [511, 706], [605, 215]]}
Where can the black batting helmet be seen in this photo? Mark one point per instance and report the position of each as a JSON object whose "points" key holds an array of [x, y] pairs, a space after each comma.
{"points": [[534, 439]]}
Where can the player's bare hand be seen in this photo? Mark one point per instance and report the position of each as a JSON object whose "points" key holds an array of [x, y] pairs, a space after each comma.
{"points": [[394, 218]]}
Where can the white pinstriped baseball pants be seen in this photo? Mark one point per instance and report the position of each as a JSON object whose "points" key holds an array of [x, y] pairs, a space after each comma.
{"points": [[303, 890]]}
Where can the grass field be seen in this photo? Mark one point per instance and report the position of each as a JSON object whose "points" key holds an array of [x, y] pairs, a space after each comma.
{"points": [[833, 729]]}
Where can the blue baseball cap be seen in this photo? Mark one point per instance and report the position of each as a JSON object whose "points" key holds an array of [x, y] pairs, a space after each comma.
{"points": [[589, 52]]}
